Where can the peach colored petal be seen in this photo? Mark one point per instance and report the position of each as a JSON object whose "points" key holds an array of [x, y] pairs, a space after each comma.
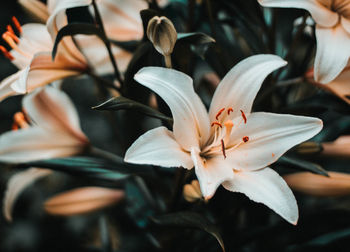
{"points": [[338, 148], [82, 200]]}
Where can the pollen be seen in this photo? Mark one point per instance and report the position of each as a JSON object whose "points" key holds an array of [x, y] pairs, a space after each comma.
{"points": [[219, 113], [17, 24], [243, 116], [216, 123], [245, 139], [9, 29], [229, 110], [20, 120]]}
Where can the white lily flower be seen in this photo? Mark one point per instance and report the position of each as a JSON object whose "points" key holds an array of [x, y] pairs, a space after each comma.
{"points": [[31, 53], [54, 131], [229, 145], [332, 33]]}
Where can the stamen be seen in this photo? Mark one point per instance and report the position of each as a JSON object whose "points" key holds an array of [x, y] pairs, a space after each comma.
{"points": [[17, 24], [6, 53], [219, 113], [9, 29], [20, 120], [223, 148], [216, 123], [244, 117], [13, 36], [245, 139], [8, 38], [229, 110]]}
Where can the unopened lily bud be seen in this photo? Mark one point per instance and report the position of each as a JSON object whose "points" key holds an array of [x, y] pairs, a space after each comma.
{"points": [[338, 148], [337, 184], [192, 192], [309, 148], [162, 33], [82, 200]]}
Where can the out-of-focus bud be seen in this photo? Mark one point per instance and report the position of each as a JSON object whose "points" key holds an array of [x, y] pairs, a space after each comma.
{"points": [[82, 200], [338, 148], [162, 33], [192, 192], [36, 9], [309, 148], [337, 184]]}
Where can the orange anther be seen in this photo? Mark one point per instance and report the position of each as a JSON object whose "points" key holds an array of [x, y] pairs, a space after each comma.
{"points": [[6, 53], [244, 117], [223, 148], [20, 120], [229, 110], [14, 126], [12, 35], [216, 123], [17, 24], [9, 29], [245, 139], [219, 113]]}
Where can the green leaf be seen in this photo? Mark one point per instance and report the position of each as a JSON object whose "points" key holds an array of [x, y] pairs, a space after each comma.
{"points": [[189, 220], [194, 38], [120, 102], [302, 165], [129, 46], [83, 166], [75, 29]]}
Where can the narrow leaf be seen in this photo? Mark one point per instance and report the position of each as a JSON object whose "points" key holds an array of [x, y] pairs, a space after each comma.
{"points": [[120, 102], [302, 165]]}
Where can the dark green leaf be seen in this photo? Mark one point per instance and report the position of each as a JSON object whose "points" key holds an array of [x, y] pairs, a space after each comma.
{"points": [[121, 102], [129, 46], [146, 16], [189, 220], [83, 166], [75, 29], [194, 38], [302, 165]]}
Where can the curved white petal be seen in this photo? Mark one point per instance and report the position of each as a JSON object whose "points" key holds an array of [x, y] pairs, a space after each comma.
{"points": [[17, 184], [321, 14], [270, 136], [241, 84], [53, 110], [333, 51], [267, 187], [11, 86], [191, 122], [158, 147], [345, 22], [211, 173], [35, 143]]}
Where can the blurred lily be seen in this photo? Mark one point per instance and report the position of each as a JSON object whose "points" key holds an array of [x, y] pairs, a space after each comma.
{"points": [[53, 129], [337, 148], [49, 129], [31, 53], [337, 184], [229, 145], [82, 200], [332, 20]]}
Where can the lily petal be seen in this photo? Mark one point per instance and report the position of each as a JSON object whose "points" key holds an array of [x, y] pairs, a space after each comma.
{"points": [[35, 143], [52, 109], [16, 186], [332, 52], [267, 187], [321, 14], [241, 84], [270, 136], [345, 22], [191, 122], [158, 147], [11, 86], [211, 173], [340, 85]]}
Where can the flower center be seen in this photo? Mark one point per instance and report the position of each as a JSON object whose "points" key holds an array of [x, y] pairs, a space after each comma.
{"points": [[222, 129]]}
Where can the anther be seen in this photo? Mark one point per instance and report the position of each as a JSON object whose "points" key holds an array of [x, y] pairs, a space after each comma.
{"points": [[245, 139], [243, 116], [223, 148], [13, 36], [9, 29], [20, 120], [219, 113], [17, 24], [216, 123], [6, 53], [229, 110]]}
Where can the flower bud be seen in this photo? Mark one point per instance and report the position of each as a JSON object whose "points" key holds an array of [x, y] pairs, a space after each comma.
{"points": [[162, 33], [192, 192], [82, 200], [337, 184]]}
